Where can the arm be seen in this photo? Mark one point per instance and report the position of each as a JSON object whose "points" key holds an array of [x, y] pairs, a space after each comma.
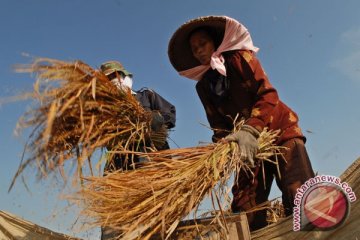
{"points": [[166, 109], [266, 97]]}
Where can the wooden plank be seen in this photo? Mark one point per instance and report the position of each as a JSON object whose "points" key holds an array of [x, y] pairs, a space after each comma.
{"points": [[13, 227], [188, 230], [244, 233]]}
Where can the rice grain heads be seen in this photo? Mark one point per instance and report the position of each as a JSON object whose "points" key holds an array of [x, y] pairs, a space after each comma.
{"points": [[78, 111], [155, 197]]}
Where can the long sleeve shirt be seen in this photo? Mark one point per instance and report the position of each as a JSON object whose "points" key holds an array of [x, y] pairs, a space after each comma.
{"points": [[246, 92]]}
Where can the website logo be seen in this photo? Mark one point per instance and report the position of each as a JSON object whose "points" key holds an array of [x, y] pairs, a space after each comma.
{"points": [[322, 202]]}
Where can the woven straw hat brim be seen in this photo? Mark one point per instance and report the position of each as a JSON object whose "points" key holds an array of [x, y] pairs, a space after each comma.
{"points": [[179, 49]]}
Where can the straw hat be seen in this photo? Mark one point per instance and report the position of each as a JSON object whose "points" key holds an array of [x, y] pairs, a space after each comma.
{"points": [[179, 49]]}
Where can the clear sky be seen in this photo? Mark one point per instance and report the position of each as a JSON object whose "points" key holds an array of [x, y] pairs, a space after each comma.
{"points": [[309, 49]]}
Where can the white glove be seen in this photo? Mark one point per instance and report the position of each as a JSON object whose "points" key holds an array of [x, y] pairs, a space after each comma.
{"points": [[246, 140]]}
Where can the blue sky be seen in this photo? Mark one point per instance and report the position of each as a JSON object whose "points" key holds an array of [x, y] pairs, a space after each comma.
{"points": [[309, 49]]}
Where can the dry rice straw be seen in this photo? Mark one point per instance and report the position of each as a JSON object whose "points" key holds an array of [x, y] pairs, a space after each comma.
{"points": [[79, 111], [156, 197]]}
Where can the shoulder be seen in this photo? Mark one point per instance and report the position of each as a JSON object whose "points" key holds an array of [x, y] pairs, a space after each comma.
{"points": [[241, 59], [145, 91], [245, 55]]}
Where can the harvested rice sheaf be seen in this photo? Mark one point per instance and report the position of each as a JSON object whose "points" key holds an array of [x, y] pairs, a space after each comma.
{"points": [[157, 196], [78, 111]]}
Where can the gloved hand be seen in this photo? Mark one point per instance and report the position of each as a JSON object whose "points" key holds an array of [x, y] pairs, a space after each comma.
{"points": [[157, 120], [246, 139]]}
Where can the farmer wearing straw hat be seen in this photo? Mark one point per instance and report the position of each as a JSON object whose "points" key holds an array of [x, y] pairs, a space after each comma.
{"points": [[163, 114], [218, 53]]}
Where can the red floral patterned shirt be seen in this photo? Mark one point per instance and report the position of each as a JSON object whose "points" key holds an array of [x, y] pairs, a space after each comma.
{"points": [[246, 92]]}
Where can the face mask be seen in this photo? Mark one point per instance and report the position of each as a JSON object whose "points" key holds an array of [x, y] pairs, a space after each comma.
{"points": [[123, 83], [128, 82]]}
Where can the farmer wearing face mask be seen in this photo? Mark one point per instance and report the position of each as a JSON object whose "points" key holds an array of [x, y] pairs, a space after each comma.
{"points": [[117, 74], [163, 114]]}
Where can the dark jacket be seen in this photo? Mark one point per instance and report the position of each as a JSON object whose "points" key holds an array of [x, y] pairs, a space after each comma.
{"points": [[151, 101], [246, 91]]}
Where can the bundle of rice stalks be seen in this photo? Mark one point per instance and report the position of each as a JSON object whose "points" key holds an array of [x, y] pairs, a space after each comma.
{"points": [[157, 196], [79, 111]]}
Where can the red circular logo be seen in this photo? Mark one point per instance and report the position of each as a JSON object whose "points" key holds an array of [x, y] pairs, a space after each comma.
{"points": [[326, 206]]}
